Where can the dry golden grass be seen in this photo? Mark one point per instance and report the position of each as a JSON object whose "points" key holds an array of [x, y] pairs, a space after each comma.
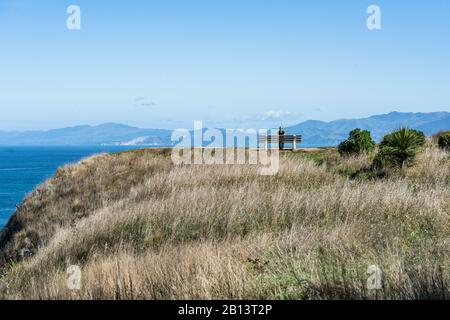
{"points": [[141, 228]]}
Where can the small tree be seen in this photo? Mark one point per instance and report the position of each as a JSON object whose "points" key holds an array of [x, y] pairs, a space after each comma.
{"points": [[399, 148], [444, 140], [359, 141]]}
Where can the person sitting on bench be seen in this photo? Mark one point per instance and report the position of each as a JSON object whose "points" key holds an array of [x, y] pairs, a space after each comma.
{"points": [[281, 138]]}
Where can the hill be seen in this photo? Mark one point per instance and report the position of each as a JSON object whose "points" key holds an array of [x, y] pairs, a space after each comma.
{"points": [[104, 134], [139, 227], [315, 133], [319, 133]]}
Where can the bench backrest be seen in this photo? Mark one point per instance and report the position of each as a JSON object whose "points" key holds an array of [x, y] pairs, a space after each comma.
{"points": [[286, 138]]}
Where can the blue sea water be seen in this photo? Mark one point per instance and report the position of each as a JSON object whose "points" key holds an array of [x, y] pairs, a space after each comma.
{"points": [[23, 168]]}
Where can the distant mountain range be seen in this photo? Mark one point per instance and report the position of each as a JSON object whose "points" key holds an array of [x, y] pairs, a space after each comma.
{"points": [[319, 133], [105, 134], [315, 133]]}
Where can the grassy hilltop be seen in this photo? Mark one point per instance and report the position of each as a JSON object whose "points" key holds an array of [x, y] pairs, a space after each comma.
{"points": [[141, 228]]}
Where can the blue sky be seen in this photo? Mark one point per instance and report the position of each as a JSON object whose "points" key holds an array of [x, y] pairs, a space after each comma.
{"points": [[229, 63]]}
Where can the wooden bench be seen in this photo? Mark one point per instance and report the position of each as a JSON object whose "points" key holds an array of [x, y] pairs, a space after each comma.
{"points": [[286, 139]]}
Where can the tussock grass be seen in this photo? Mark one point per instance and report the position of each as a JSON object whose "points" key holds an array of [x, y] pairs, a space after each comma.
{"points": [[141, 228]]}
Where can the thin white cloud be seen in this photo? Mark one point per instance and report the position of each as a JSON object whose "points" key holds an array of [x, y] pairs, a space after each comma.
{"points": [[275, 115], [144, 102]]}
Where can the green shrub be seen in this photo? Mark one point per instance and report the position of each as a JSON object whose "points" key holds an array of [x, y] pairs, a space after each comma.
{"points": [[444, 140], [359, 141], [399, 148]]}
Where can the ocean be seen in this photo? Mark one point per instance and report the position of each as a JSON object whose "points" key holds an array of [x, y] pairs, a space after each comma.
{"points": [[23, 168]]}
